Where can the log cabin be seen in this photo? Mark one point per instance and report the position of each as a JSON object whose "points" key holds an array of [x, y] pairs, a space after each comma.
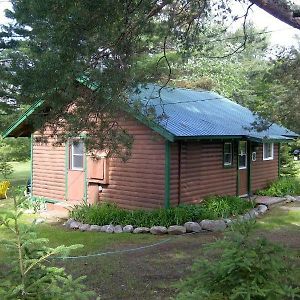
{"points": [[205, 145]]}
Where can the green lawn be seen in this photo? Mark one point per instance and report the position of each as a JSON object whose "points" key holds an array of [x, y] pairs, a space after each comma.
{"points": [[21, 173], [149, 273]]}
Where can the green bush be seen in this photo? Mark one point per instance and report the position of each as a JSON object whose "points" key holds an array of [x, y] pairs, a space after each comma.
{"points": [[282, 187], [212, 208], [242, 267]]}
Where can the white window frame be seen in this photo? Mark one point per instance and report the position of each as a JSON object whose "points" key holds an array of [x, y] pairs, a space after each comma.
{"points": [[272, 151], [226, 164], [73, 154], [245, 154]]}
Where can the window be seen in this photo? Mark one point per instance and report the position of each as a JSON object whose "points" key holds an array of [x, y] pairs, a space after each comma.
{"points": [[268, 151], [77, 154], [227, 155], [243, 155]]}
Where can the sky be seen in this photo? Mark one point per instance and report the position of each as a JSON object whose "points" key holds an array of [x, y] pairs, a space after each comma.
{"points": [[282, 34]]}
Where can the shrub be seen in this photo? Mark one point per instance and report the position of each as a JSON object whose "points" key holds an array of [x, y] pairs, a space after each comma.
{"points": [[6, 169], [282, 187], [243, 267], [212, 208]]}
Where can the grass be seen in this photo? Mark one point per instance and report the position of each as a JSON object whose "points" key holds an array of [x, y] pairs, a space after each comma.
{"points": [[21, 173], [150, 273]]}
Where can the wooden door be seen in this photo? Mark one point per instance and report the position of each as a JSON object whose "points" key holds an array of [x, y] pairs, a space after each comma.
{"points": [[243, 168]]}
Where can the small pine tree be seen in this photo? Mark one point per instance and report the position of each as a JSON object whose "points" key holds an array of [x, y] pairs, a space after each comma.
{"points": [[243, 267], [30, 275], [288, 166]]}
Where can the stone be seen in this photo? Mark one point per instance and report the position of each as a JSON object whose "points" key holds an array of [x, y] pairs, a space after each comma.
{"points": [[158, 230], [68, 222], [110, 229], [95, 228], [228, 221], [128, 228], [75, 225], [251, 214], [118, 229], [192, 227], [213, 225], [297, 198], [39, 221], [261, 208], [84, 227], [103, 228], [176, 229], [289, 198], [141, 230]]}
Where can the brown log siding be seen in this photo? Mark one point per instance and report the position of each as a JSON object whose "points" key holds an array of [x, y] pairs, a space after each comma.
{"points": [[201, 172], [264, 171], [48, 168], [139, 182]]}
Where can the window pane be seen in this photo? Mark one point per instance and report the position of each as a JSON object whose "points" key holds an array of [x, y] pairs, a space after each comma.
{"points": [[227, 148], [78, 147], [77, 162], [242, 161], [268, 151], [227, 159], [243, 147]]}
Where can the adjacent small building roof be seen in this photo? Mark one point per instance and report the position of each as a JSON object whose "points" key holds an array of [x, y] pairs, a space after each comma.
{"points": [[186, 114]]}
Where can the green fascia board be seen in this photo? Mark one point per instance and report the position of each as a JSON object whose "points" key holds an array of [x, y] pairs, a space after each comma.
{"points": [[30, 110], [279, 140], [209, 137], [87, 82]]}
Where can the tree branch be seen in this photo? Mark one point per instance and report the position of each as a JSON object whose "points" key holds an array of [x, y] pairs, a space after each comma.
{"points": [[280, 10]]}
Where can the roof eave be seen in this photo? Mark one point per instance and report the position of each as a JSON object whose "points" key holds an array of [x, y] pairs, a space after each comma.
{"points": [[9, 131]]}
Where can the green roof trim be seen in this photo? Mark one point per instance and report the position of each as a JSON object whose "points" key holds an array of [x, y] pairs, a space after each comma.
{"points": [[23, 117], [87, 82]]}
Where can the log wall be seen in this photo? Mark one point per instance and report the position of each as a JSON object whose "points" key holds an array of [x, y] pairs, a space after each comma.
{"points": [[201, 172], [48, 168], [264, 171], [138, 182]]}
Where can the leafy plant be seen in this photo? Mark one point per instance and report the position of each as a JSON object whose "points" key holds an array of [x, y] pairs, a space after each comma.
{"points": [[243, 267], [30, 274], [6, 169], [282, 187], [36, 204], [212, 208]]}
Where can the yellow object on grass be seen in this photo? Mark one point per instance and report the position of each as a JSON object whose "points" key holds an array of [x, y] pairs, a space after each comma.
{"points": [[4, 186]]}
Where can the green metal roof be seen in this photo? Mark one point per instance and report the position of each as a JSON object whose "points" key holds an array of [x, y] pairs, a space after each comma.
{"points": [[189, 114]]}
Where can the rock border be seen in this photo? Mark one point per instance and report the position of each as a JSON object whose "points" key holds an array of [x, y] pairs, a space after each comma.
{"points": [[188, 227]]}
